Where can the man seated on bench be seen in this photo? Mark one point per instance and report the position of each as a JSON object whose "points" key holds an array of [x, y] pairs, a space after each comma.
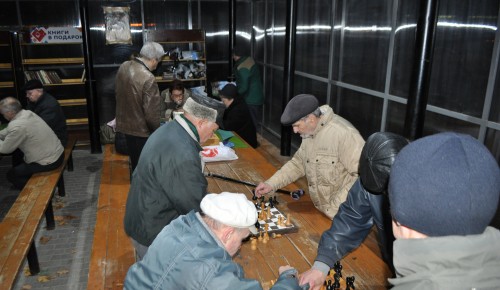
{"points": [[28, 132], [195, 250]]}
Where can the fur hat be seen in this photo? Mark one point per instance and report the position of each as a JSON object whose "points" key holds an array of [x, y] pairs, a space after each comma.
{"points": [[299, 107], [445, 184], [202, 110], [232, 209]]}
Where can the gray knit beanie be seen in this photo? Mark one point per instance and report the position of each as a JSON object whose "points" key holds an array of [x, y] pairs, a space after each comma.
{"points": [[444, 184]]}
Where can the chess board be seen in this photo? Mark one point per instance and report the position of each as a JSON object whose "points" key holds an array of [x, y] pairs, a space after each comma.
{"points": [[272, 222]]}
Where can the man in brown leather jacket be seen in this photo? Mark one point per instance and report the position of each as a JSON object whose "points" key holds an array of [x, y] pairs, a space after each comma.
{"points": [[138, 99]]}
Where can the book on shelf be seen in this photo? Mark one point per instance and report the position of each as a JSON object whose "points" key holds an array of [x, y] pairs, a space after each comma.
{"points": [[45, 77]]}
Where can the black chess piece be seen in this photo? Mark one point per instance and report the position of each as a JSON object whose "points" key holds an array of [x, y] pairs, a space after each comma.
{"points": [[262, 198], [271, 202], [257, 225], [349, 282], [329, 285], [275, 201], [338, 268], [336, 281], [254, 197]]}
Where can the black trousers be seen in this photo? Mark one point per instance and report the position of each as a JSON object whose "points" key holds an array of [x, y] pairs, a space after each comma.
{"points": [[21, 173], [134, 146]]}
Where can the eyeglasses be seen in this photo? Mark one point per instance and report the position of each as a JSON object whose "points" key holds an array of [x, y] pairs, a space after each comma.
{"points": [[177, 95]]}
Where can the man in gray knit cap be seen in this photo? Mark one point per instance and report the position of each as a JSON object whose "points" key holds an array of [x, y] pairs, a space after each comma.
{"points": [[169, 181], [328, 156], [444, 191]]}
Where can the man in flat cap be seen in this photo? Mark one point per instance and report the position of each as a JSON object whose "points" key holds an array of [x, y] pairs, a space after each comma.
{"points": [[367, 205], [47, 108], [169, 180], [328, 156], [444, 191], [195, 250]]}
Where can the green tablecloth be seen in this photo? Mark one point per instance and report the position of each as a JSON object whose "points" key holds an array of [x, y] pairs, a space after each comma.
{"points": [[229, 136]]}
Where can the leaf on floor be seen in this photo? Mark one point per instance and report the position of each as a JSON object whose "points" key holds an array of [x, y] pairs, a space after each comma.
{"points": [[44, 279], [62, 272], [26, 287], [44, 240], [26, 271], [58, 204]]}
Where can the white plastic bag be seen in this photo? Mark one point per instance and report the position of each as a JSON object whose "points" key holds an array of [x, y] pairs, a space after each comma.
{"points": [[218, 153]]}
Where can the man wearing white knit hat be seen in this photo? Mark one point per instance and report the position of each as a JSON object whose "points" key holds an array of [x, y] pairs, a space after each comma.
{"points": [[168, 180], [195, 250]]}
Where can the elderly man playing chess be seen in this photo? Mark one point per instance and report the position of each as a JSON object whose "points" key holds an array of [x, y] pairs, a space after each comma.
{"points": [[195, 250]]}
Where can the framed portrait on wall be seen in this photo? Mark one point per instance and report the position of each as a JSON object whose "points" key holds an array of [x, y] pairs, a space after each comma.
{"points": [[117, 22]]}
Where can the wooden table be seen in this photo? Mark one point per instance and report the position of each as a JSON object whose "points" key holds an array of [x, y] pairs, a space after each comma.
{"points": [[297, 249]]}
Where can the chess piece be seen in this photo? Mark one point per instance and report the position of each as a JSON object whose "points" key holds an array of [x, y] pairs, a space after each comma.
{"points": [[271, 202], [254, 197], [336, 281], [268, 212], [275, 201], [260, 237], [329, 285], [288, 221], [253, 244], [338, 268], [349, 283]]}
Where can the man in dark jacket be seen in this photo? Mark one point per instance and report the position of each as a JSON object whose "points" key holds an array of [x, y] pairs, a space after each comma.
{"points": [[195, 251], [169, 179], [237, 116], [46, 107], [366, 205], [138, 99]]}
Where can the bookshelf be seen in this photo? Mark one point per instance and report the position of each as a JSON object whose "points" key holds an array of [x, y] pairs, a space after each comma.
{"points": [[7, 83], [60, 68]]}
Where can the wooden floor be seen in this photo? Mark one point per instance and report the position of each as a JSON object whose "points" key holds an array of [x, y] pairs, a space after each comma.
{"points": [[272, 154]]}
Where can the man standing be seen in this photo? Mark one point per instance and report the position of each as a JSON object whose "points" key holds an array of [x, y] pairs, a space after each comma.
{"points": [[237, 116], [444, 191], [328, 156], [138, 99], [47, 108], [366, 205], [249, 83], [195, 250], [28, 132], [169, 179]]}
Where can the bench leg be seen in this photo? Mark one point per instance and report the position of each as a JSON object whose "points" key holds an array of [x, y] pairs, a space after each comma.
{"points": [[49, 216], [33, 260], [70, 162], [60, 186]]}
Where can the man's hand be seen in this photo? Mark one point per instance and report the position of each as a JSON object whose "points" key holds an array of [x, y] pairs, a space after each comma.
{"points": [[262, 189], [314, 277]]}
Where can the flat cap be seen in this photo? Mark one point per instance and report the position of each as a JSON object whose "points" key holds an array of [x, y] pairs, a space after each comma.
{"points": [[299, 107], [32, 84]]}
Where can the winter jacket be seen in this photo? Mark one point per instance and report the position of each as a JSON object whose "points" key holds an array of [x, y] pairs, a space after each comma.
{"points": [[237, 118], [328, 158], [187, 255], [352, 224], [28, 132], [48, 108], [137, 100], [449, 262], [167, 182], [248, 81]]}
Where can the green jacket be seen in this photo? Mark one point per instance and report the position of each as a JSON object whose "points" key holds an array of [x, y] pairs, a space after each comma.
{"points": [[248, 81], [167, 182]]}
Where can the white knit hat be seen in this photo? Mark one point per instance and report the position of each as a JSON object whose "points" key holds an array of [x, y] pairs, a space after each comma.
{"points": [[232, 209]]}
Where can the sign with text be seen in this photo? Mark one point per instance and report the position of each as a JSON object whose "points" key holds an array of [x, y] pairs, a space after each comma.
{"points": [[41, 34]]}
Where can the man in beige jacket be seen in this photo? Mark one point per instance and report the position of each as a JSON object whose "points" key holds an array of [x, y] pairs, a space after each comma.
{"points": [[328, 156]]}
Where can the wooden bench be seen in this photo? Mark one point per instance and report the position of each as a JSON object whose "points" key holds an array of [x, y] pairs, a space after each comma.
{"points": [[112, 251], [21, 223]]}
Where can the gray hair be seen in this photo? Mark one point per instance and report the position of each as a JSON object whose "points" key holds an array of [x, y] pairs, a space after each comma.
{"points": [[216, 225], [10, 104], [200, 111], [152, 51]]}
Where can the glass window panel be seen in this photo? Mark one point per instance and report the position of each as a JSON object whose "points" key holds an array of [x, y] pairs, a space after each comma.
{"points": [[495, 102], [493, 143], [363, 111], [404, 47], [259, 29], [366, 43], [166, 14], [243, 25], [273, 106], [305, 85], [395, 119], [8, 14], [215, 21], [462, 54], [337, 34], [278, 35], [42, 13], [313, 37]]}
